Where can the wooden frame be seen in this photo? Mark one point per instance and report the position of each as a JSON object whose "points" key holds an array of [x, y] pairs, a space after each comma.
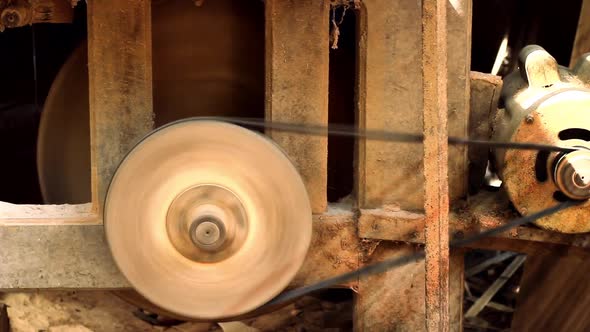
{"points": [[63, 246]]}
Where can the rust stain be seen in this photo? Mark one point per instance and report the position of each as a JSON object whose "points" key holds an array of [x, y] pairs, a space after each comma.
{"points": [[434, 23]]}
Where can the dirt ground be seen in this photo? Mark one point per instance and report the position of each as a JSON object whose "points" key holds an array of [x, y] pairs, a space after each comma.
{"points": [[82, 311]]}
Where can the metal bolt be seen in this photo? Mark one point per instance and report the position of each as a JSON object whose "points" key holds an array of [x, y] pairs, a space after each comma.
{"points": [[207, 233], [529, 119]]}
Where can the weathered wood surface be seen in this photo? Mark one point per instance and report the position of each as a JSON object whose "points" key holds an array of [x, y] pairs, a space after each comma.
{"points": [[456, 289], [334, 248], [393, 300], [120, 82], [78, 257], [297, 36], [390, 174], [554, 293], [458, 91], [19, 214], [67, 256], [484, 211], [390, 98], [436, 168], [484, 95]]}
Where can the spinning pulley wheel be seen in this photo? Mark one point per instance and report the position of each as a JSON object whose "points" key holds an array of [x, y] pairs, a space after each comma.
{"points": [[207, 219]]}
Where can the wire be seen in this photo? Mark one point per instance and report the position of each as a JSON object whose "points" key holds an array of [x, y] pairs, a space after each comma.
{"points": [[400, 261], [379, 135]]}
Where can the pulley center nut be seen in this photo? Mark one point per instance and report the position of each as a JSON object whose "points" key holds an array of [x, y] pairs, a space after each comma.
{"points": [[572, 174], [207, 233]]}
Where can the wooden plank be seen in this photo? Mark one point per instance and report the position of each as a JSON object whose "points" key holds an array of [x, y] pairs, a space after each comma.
{"points": [[22, 214], [297, 35], [334, 248], [389, 94], [393, 300], [78, 257], [57, 257], [390, 98], [485, 211], [582, 40], [120, 81], [485, 92], [436, 205], [554, 293], [456, 289], [459, 14], [381, 224]]}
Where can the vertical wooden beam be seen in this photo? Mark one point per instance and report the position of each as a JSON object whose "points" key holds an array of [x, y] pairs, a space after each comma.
{"points": [[390, 94], [582, 41], [297, 37], [436, 205], [459, 15], [120, 81], [393, 300]]}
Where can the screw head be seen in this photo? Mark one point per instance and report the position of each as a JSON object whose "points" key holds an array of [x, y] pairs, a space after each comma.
{"points": [[529, 119]]}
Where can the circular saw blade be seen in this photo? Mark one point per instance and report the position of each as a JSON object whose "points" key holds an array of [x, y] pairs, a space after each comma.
{"points": [[267, 249]]}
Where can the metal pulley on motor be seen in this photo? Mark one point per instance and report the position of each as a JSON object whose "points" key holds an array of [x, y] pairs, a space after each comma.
{"points": [[549, 104], [207, 220]]}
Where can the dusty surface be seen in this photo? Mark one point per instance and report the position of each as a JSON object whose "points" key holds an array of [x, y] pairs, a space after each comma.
{"points": [[297, 85], [102, 311], [14, 214]]}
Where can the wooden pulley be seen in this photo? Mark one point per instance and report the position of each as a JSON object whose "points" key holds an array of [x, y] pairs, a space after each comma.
{"points": [[207, 220]]}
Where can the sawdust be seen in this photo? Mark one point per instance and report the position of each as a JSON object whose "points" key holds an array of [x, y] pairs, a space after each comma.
{"points": [[97, 311]]}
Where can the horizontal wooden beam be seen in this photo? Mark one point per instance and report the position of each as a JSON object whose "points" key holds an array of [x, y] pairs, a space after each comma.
{"points": [[68, 256], [485, 211], [66, 214]]}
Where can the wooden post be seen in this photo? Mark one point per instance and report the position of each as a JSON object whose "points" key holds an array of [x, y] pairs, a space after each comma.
{"points": [[436, 205], [390, 94], [297, 37], [120, 81]]}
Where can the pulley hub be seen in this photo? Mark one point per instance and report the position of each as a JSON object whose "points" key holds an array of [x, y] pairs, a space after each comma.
{"points": [[207, 223], [572, 174]]}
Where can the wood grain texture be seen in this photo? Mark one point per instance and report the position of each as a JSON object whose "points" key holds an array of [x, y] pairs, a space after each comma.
{"points": [[554, 293], [120, 82], [456, 289], [390, 98], [77, 256], [297, 49], [436, 168], [24, 214], [393, 300]]}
